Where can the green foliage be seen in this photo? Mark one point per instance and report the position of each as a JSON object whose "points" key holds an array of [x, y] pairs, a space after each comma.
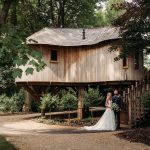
{"points": [[4, 145], [135, 25], [63, 100], [68, 100], [147, 61], [17, 53], [146, 99], [93, 97], [110, 13], [25, 17], [49, 101], [12, 103], [105, 17]]}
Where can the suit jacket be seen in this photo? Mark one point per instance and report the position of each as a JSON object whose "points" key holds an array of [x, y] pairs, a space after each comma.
{"points": [[118, 100]]}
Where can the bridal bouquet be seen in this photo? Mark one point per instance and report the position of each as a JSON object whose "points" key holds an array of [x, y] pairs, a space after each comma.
{"points": [[115, 107]]}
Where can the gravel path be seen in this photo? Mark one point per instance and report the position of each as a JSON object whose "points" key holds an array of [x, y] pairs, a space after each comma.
{"points": [[26, 134]]}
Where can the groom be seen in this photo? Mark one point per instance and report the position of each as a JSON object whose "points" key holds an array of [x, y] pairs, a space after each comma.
{"points": [[118, 101]]}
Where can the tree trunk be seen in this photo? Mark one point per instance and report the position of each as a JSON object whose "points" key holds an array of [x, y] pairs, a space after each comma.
{"points": [[5, 11]]}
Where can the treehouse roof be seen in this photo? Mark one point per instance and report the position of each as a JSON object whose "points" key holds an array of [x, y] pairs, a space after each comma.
{"points": [[73, 37]]}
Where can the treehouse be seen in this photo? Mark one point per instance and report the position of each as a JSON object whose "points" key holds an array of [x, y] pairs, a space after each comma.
{"points": [[79, 57]]}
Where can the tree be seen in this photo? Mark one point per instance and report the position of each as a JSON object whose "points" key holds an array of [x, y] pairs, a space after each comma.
{"points": [[18, 19], [106, 14], [13, 53], [6, 4], [135, 25], [58, 13], [110, 13]]}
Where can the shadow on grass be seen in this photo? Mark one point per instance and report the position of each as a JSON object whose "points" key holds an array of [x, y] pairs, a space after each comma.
{"points": [[139, 135], [5, 145]]}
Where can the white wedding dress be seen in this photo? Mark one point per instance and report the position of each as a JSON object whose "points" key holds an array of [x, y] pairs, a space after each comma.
{"points": [[106, 122]]}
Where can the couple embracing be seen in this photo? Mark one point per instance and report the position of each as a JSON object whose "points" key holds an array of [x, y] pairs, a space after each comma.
{"points": [[107, 122]]}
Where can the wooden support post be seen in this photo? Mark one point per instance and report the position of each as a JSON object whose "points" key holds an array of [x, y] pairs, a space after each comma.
{"points": [[130, 112], [27, 103], [80, 102]]}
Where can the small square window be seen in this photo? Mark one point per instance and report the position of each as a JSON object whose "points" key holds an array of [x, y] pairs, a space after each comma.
{"points": [[125, 62], [54, 55]]}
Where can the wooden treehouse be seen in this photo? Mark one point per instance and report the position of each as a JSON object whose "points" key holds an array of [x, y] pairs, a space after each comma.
{"points": [[80, 57]]}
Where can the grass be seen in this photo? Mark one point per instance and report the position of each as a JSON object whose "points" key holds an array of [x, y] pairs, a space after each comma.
{"points": [[5, 145]]}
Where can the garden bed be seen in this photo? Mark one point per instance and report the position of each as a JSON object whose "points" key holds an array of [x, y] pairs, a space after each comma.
{"points": [[68, 122]]}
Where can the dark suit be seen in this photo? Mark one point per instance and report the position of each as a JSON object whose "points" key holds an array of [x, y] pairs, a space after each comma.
{"points": [[118, 100]]}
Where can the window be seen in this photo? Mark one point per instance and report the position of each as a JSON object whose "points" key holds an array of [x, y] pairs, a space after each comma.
{"points": [[125, 62], [54, 55], [136, 61]]}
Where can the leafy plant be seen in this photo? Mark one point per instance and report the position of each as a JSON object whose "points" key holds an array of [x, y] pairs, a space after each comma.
{"points": [[68, 100], [12, 103], [93, 97], [49, 101]]}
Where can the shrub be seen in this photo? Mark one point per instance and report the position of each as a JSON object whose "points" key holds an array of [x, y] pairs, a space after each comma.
{"points": [[93, 97], [145, 99], [68, 100], [12, 103]]}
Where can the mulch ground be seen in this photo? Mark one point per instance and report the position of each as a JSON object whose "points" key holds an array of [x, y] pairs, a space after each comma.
{"points": [[139, 135]]}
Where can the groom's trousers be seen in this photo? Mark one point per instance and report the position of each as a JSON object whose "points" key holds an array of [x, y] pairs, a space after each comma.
{"points": [[117, 116]]}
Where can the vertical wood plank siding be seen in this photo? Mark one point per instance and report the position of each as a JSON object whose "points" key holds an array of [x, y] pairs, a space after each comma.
{"points": [[82, 64]]}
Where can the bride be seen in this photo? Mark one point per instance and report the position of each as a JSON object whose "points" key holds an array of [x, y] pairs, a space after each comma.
{"points": [[107, 121]]}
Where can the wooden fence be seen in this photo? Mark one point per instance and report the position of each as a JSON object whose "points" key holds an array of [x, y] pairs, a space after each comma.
{"points": [[134, 111]]}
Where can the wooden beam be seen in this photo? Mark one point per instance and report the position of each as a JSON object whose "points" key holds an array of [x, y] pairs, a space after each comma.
{"points": [[72, 84], [34, 95]]}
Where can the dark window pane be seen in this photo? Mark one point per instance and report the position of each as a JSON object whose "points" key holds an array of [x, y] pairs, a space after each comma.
{"points": [[136, 61], [125, 62], [53, 55]]}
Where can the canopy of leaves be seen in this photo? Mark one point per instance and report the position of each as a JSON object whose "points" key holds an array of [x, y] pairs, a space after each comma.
{"points": [[19, 19], [107, 14], [135, 26]]}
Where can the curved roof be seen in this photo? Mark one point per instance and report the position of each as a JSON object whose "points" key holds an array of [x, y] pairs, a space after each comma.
{"points": [[73, 37]]}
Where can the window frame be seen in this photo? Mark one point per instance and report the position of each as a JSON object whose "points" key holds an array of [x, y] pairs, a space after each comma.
{"points": [[54, 61], [136, 61], [127, 63]]}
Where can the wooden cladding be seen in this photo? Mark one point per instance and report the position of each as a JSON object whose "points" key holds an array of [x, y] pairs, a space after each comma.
{"points": [[82, 65]]}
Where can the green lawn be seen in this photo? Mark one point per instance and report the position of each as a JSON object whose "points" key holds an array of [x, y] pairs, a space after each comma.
{"points": [[4, 145]]}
